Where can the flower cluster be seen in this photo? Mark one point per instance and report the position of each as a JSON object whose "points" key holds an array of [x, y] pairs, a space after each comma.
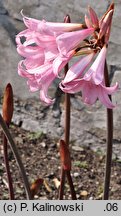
{"points": [[47, 47]]}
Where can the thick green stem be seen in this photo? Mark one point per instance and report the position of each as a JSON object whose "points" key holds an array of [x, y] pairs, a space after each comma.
{"points": [[109, 143], [17, 157]]}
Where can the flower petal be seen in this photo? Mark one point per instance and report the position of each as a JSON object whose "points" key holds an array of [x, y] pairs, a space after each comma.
{"points": [[104, 98], [31, 63], [72, 87], [30, 22], [22, 71], [46, 81], [30, 51], [78, 69], [43, 40], [42, 69], [96, 71], [33, 86], [69, 40], [112, 89], [61, 27], [44, 97], [89, 93], [60, 62]]}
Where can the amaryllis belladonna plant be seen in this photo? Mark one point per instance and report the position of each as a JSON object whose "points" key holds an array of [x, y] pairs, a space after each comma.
{"points": [[47, 47]]}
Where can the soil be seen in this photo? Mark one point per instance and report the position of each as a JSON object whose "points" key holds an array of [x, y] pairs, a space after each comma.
{"points": [[41, 159]]}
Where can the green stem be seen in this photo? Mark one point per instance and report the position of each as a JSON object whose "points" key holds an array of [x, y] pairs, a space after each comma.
{"points": [[109, 143], [17, 157]]}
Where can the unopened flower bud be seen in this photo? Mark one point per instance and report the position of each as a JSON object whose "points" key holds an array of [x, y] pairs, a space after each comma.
{"points": [[94, 18], [8, 104], [105, 24]]}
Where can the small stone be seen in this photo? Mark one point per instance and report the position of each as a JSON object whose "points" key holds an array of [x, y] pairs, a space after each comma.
{"points": [[43, 144], [76, 174], [84, 193], [77, 148], [36, 196]]}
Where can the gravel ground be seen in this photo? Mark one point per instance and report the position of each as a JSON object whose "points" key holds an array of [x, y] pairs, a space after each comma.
{"points": [[40, 156]]}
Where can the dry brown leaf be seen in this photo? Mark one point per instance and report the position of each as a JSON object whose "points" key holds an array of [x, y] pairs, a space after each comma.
{"points": [[36, 186]]}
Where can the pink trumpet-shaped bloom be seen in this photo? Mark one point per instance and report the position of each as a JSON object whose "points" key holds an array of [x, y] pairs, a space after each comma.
{"points": [[43, 26], [91, 83], [70, 40], [47, 47], [40, 45], [39, 79]]}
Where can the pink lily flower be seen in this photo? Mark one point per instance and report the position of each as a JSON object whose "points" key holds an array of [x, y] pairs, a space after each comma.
{"points": [[70, 40], [43, 56], [91, 83], [50, 27], [39, 79], [47, 47]]}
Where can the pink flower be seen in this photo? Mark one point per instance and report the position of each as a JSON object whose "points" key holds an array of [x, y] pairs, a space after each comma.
{"points": [[71, 40], [46, 48], [50, 28], [91, 83]]}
